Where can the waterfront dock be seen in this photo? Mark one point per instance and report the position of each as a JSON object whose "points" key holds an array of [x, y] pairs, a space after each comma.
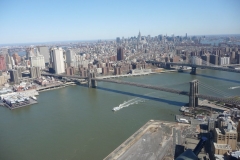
{"points": [[20, 105], [155, 140]]}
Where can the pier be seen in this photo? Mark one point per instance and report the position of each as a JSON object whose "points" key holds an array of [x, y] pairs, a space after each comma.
{"points": [[20, 104]]}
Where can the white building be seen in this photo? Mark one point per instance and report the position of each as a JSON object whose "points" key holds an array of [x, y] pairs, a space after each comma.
{"points": [[37, 60], [57, 60], [43, 50], [195, 60], [224, 60], [70, 58]]}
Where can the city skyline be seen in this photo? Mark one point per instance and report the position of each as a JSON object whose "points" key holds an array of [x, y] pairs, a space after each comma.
{"points": [[33, 22]]}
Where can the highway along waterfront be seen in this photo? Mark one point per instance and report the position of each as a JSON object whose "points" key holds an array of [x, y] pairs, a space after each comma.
{"points": [[77, 122]]}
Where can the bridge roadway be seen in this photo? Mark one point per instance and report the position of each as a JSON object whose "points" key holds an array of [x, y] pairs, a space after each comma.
{"points": [[211, 98], [196, 66], [61, 75]]}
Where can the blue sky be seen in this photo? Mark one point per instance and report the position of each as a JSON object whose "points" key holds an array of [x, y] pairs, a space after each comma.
{"points": [[24, 21]]}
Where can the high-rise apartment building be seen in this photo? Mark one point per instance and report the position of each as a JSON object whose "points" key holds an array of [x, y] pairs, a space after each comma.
{"points": [[70, 58], [43, 50], [2, 63], [37, 60], [205, 59], [56, 60], [14, 76], [16, 58], [214, 59], [35, 72], [224, 60], [120, 53]]}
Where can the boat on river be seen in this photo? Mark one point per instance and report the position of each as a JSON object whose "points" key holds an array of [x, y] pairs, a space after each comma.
{"points": [[234, 87]]}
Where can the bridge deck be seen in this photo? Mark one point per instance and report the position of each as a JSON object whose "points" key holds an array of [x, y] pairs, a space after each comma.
{"points": [[211, 98]]}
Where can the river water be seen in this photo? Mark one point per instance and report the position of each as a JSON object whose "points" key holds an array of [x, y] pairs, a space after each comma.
{"points": [[76, 122]]}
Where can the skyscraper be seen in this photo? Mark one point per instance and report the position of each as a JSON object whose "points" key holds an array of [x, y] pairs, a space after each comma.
{"points": [[43, 50], [57, 61], [37, 60], [119, 54], [14, 76], [139, 37], [2, 63], [70, 58]]}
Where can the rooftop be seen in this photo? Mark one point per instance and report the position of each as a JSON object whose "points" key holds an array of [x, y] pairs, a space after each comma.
{"points": [[222, 146]]}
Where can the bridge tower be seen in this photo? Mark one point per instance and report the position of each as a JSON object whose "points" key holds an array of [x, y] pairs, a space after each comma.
{"points": [[91, 81], [193, 99], [193, 70]]}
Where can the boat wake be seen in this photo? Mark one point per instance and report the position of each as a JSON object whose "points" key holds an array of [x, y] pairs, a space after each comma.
{"points": [[234, 87], [130, 102]]}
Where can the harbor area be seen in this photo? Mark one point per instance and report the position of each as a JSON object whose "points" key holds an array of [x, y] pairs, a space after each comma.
{"points": [[156, 140], [16, 100]]}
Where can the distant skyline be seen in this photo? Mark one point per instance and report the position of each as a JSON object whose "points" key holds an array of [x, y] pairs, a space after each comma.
{"points": [[26, 21]]}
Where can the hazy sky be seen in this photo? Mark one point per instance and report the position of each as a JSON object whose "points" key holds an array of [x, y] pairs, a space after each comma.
{"points": [[23, 21]]}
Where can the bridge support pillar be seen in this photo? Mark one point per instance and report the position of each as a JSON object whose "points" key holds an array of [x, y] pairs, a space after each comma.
{"points": [[168, 66], [193, 99], [91, 81], [193, 70]]}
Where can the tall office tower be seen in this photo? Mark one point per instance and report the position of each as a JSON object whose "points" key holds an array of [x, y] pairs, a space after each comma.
{"points": [[2, 63], [37, 60], [238, 57], [70, 58], [56, 58], [19, 71], [120, 54], [8, 61], [214, 59], [205, 59], [118, 40], [139, 37], [38, 72], [43, 50], [238, 131], [29, 52], [16, 58], [233, 55], [14, 76], [33, 73], [186, 36]]}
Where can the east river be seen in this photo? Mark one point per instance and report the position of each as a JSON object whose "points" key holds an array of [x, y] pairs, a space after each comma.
{"points": [[76, 122]]}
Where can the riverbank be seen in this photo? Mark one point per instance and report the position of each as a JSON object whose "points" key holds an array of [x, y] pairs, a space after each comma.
{"points": [[154, 140]]}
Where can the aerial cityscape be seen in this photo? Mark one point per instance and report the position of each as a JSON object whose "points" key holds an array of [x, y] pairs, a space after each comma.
{"points": [[120, 80]]}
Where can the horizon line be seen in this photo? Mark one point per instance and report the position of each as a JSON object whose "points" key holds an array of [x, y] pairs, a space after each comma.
{"points": [[69, 41]]}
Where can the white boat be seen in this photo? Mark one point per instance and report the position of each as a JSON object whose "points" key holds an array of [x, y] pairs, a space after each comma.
{"points": [[234, 87], [33, 97], [117, 108], [183, 108], [182, 120]]}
